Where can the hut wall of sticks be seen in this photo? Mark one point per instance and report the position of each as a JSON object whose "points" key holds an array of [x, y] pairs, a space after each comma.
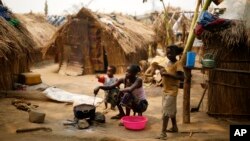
{"points": [[89, 42], [229, 85], [16, 49]]}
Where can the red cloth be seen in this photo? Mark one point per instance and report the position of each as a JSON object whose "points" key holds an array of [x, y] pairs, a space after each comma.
{"points": [[198, 30]]}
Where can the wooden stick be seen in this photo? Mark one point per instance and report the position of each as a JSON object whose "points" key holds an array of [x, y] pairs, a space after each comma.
{"points": [[191, 35], [188, 132], [228, 85], [23, 130], [186, 96], [231, 70]]}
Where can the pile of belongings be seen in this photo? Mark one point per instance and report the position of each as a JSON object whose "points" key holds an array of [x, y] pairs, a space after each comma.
{"points": [[6, 14], [210, 22]]}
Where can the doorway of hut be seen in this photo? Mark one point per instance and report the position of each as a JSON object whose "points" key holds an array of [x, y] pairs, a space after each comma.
{"points": [[105, 63], [99, 57]]}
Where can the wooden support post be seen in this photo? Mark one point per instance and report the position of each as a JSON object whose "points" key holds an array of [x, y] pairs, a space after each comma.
{"points": [[186, 96]]}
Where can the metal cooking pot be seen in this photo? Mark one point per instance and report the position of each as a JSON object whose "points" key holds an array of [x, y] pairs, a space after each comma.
{"points": [[208, 61], [84, 111]]}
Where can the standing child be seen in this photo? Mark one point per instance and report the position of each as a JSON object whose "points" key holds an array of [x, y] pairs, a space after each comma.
{"points": [[132, 96], [170, 79], [109, 79]]}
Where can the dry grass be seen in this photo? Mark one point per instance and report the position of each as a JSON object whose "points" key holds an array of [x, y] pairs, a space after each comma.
{"points": [[124, 40], [16, 49], [39, 28], [229, 91]]}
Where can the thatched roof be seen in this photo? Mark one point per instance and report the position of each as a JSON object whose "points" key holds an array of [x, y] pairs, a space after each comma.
{"points": [[123, 39], [16, 52], [234, 37], [37, 25], [129, 33], [14, 41]]}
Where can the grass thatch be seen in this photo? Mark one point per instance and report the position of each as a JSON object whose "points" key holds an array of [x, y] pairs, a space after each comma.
{"points": [[16, 49], [124, 40], [38, 26], [160, 30], [160, 27], [231, 38], [229, 91]]}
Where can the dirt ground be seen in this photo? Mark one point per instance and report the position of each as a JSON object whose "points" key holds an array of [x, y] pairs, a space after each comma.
{"points": [[56, 113]]}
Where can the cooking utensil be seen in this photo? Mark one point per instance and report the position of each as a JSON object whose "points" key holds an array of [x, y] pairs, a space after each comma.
{"points": [[196, 109], [84, 111], [208, 61]]}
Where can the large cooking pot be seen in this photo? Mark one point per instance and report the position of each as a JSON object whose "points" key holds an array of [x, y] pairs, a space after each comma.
{"points": [[84, 111]]}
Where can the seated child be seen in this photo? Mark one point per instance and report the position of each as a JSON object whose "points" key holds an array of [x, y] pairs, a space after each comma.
{"points": [[132, 96], [107, 80]]}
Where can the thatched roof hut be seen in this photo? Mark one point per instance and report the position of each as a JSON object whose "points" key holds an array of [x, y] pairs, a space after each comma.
{"points": [[16, 50], [229, 83], [89, 42], [40, 29]]}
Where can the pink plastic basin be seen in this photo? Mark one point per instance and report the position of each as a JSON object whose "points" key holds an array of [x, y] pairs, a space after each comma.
{"points": [[134, 122]]}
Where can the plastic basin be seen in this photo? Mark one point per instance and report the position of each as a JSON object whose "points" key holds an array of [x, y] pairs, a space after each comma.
{"points": [[134, 122]]}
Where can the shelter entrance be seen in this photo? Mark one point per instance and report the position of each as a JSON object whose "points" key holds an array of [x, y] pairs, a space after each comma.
{"points": [[98, 54]]}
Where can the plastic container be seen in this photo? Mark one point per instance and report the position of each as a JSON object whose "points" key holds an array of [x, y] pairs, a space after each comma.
{"points": [[190, 59], [134, 122]]}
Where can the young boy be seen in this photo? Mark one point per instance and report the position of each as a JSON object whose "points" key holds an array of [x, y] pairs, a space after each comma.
{"points": [[171, 75], [107, 80]]}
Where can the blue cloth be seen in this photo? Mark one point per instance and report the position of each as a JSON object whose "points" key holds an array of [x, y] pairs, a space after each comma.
{"points": [[206, 18], [4, 13]]}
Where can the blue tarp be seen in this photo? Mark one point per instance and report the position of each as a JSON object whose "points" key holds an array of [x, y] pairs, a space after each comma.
{"points": [[4, 13]]}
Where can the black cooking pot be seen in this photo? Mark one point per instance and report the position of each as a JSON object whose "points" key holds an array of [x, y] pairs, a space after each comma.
{"points": [[84, 111]]}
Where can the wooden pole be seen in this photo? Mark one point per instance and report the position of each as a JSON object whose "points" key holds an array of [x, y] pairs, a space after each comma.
{"points": [[186, 96], [187, 81], [190, 39], [191, 35]]}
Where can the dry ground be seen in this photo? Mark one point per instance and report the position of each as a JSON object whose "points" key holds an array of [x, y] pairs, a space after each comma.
{"points": [[12, 119]]}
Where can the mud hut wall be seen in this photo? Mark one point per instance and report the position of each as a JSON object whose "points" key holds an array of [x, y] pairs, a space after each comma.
{"points": [[228, 93]]}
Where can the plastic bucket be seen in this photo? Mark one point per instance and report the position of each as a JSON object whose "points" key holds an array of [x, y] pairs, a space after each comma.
{"points": [[190, 59]]}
